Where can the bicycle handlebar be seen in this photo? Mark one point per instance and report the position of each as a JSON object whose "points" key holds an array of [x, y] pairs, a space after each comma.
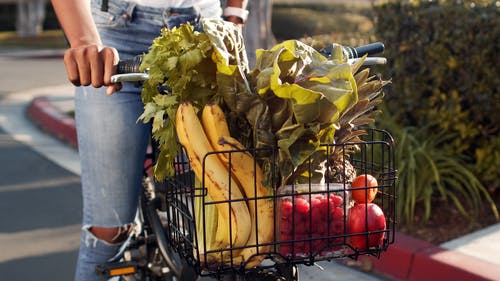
{"points": [[129, 66], [356, 52], [128, 70]]}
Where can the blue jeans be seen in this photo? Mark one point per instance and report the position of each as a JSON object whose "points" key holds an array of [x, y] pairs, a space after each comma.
{"points": [[112, 143]]}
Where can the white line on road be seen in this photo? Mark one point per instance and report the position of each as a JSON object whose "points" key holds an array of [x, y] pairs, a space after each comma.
{"points": [[14, 121], [39, 242]]}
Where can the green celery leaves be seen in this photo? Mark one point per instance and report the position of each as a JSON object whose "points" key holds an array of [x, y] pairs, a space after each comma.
{"points": [[190, 64]]}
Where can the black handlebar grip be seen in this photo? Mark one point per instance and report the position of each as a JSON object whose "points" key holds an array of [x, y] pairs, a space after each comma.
{"points": [[370, 49], [129, 66], [356, 52]]}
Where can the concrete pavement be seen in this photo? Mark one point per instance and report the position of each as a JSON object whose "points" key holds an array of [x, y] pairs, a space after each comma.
{"points": [[40, 199]]}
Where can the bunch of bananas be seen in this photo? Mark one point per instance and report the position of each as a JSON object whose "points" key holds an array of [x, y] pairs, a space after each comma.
{"points": [[244, 224]]}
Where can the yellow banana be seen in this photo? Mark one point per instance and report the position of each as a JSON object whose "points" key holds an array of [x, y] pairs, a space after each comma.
{"points": [[260, 206], [234, 218], [207, 219], [204, 225], [242, 167], [214, 122]]}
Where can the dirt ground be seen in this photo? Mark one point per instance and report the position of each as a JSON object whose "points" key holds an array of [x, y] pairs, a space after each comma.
{"points": [[446, 223]]}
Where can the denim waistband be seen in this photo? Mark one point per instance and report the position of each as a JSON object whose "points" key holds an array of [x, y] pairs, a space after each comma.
{"points": [[154, 14]]}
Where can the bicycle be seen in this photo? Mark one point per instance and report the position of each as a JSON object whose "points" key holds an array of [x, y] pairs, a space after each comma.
{"points": [[164, 244]]}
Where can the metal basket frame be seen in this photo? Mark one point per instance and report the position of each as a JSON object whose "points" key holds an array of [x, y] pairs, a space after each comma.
{"points": [[375, 155]]}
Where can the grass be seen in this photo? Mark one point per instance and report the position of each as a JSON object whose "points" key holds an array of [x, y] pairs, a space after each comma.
{"points": [[48, 39]]}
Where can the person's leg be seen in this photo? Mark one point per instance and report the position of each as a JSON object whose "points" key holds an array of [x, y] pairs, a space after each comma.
{"points": [[112, 147], [112, 143]]}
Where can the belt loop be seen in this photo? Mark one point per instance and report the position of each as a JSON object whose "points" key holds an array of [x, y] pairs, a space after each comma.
{"points": [[165, 15], [104, 5], [130, 10]]}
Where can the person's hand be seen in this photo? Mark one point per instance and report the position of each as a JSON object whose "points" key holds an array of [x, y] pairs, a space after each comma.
{"points": [[92, 65]]}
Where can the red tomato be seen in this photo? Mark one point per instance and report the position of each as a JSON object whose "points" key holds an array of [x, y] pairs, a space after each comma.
{"points": [[365, 218], [360, 191]]}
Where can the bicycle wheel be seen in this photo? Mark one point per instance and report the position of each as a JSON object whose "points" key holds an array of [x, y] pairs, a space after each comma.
{"points": [[170, 266]]}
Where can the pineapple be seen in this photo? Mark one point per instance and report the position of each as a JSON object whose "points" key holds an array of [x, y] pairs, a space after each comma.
{"points": [[348, 125], [337, 168], [282, 112]]}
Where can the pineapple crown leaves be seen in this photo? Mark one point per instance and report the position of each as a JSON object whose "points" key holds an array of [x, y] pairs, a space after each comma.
{"points": [[363, 113], [349, 127]]}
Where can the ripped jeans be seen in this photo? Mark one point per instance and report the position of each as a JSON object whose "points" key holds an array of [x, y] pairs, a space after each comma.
{"points": [[112, 143]]}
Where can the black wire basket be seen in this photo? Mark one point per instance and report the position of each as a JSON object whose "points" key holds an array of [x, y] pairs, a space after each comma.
{"points": [[311, 222]]}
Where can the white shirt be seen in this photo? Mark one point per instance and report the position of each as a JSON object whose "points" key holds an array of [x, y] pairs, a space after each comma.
{"points": [[207, 8]]}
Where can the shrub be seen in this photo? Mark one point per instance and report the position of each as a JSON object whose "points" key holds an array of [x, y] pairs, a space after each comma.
{"points": [[294, 21], [428, 172], [444, 64]]}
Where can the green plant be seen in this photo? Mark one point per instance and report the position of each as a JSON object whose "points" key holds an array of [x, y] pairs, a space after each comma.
{"points": [[428, 170], [444, 66], [488, 161]]}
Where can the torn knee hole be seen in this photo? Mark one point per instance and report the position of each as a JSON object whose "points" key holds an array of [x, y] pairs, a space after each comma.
{"points": [[111, 234]]}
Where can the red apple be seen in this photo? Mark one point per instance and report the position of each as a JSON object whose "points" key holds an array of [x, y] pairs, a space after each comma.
{"points": [[365, 218]]}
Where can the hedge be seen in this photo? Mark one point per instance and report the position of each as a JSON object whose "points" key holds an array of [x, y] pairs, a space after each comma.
{"points": [[298, 20], [445, 64]]}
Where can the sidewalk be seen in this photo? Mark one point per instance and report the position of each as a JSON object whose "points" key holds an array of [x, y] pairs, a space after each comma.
{"points": [[472, 257]]}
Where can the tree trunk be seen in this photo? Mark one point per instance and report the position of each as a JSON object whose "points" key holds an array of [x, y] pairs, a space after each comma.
{"points": [[30, 17]]}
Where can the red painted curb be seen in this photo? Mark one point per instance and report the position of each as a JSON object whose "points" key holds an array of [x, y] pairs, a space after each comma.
{"points": [[414, 260], [408, 258], [51, 119], [397, 260]]}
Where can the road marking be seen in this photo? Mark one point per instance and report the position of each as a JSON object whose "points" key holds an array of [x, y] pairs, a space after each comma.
{"points": [[40, 184], [13, 120], [39, 242]]}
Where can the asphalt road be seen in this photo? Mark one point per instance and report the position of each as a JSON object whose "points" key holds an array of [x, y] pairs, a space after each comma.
{"points": [[40, 201]]}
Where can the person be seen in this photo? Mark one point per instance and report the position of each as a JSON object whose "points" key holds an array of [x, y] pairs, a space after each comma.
{"points": [[112, 144]]}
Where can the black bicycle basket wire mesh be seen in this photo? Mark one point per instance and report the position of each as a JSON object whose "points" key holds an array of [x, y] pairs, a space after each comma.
{"points": [[303, 233]]}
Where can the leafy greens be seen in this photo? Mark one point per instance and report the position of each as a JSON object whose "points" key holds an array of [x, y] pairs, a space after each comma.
{"points": [[290, 100]]}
